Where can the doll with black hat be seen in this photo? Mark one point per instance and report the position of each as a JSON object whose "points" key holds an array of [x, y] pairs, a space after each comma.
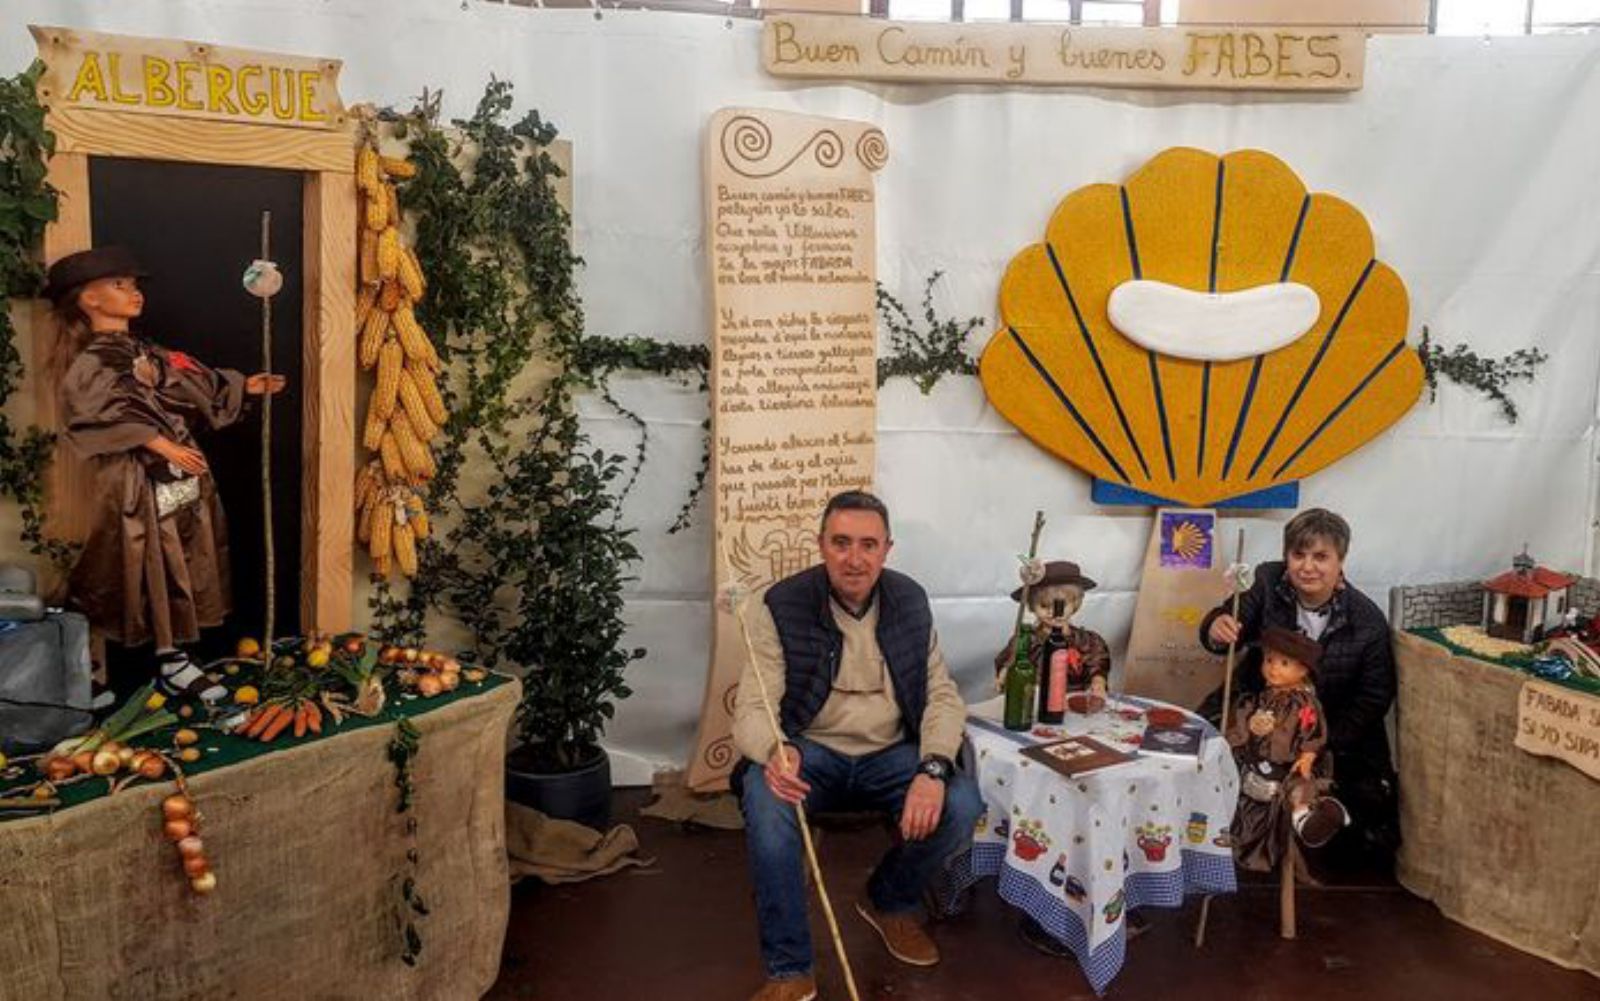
{"points": [[1054, 597], [1279, 738], [154, 566]]}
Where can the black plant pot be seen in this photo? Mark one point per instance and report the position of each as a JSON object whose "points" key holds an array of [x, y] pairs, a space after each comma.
{"points": [[582, 794]]}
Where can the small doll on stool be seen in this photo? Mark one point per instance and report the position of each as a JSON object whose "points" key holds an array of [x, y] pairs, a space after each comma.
{"points": [[1279, 738], [1088, 658], [154, 568]]}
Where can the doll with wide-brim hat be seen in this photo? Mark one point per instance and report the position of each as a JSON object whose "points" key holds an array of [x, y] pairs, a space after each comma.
{"points": [[1061, 584], [154, 567]]}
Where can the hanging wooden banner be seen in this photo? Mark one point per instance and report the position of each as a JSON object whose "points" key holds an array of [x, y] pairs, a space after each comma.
{"points": [[791, 234], [1182, 581], [1243, 58], [1560, 723], [166, 76]]}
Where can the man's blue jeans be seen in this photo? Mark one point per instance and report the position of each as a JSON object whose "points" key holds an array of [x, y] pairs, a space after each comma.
{"points": [[841, 783]]}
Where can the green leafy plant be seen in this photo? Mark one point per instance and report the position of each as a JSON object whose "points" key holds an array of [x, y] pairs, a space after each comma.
{"points": [[27, 206], [1489, 376], [534, 564], [924, 356]]}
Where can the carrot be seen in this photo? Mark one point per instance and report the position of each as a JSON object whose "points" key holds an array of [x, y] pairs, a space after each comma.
{"points": [[277, 725], [300, 720], [313, 717], [258, 722]]}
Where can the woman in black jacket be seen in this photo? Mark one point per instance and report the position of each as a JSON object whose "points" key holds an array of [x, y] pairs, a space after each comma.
{"points": [[1307, 592]]}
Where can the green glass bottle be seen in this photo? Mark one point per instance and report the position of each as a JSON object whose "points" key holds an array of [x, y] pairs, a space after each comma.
{"points": [[1022, 683]]}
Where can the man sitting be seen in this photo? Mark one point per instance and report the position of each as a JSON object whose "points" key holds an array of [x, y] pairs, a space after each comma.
{"points": [[871, 721]]}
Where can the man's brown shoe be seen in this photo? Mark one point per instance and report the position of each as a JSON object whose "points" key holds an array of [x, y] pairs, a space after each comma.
{"points": [[787, 989], [902, 935]]}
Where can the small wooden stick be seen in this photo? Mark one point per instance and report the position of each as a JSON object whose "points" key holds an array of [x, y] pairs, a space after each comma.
{"points": [[267, 625], [1286, 890], [799, 808], [1227, 678], [1033, 551]]}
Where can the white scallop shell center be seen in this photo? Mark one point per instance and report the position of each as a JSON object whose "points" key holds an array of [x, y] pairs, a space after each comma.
{"points": [[1212, 326]]}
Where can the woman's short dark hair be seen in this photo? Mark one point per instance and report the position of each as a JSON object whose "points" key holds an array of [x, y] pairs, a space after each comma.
{"points": [[1316, 523], [856, 500]]}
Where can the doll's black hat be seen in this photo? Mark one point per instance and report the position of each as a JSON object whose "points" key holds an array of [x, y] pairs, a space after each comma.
{"points": [[1059, 572], [74, 271], [1297, 646]]}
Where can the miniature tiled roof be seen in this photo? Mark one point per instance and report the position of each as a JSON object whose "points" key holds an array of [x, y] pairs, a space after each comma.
{"points": [[1537, 584]]}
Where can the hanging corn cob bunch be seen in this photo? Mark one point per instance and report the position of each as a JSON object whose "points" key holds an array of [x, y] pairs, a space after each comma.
{"points": [[406, 411]]}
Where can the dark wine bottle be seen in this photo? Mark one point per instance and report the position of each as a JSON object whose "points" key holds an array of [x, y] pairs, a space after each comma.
{"points": [[1020, 681]]}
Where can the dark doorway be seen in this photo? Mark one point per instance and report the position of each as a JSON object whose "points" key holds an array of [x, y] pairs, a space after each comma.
{"points": [[196, 228]]}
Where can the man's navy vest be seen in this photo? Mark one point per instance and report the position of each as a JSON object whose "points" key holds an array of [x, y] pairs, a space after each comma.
{"points": [[812, 646]]}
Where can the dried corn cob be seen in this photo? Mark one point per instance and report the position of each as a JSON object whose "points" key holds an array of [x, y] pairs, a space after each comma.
{"points": [[372, 433], [367, 168], [416, 410], [405, 549], [380, 566], [394, 467], [416, 344], [430, 393], [384, 394], [382, 539], [369, 257], [377, 217], [393, 202], [364, 519], [390, 296], [388, 252], [366, 485], [411, 274], [373, 333], [412, 451], [364, 303], [395, 166], [417, 516]]}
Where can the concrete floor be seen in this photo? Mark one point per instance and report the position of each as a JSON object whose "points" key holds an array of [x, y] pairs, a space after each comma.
{"points": [[684, 930]]}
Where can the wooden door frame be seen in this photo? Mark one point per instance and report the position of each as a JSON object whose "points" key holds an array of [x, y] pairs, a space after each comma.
{"points": [[325, 160]]}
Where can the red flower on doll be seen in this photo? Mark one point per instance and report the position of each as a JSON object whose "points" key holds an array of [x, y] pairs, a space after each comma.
{"points": [[182, 362], [1308, 718], [1074, 658]]}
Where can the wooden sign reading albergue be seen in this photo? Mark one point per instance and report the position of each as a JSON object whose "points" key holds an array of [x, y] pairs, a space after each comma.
{"points": [[1301, 58], [174, 78]]}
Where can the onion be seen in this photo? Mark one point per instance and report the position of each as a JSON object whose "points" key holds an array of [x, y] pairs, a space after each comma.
{"points": [[59, 769], [449, 680], [195, 865], [177, 807], [191, 847], [150, 766], [125, 755], [203, 883], [105, 763], [177, 830], [429, 685]]}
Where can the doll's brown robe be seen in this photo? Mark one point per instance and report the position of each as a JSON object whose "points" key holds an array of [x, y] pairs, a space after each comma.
{"points": [[139, 577]]}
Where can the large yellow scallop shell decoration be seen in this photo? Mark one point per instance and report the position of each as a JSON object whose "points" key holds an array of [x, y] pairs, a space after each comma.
{"points": [[1257, 339]]}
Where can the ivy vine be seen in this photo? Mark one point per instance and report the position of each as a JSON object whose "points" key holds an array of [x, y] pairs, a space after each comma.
{"points": [[403, 749], [924, 356], [27, 206], [533, 565], [1489, 376]]}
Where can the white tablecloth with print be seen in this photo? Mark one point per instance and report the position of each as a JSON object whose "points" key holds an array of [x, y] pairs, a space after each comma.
{"points": [[1075, 854]]}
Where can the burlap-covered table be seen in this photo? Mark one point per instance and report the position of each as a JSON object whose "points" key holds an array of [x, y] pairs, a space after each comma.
{"points": [[1501, 840], [308, 851]]}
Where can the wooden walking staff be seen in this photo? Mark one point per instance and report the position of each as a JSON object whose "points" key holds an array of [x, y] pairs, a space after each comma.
{"points": [[737, 606], [263, 280], [1033, 554], [1239, 578]]}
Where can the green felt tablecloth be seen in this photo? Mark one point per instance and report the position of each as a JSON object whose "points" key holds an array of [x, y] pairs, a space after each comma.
{"points": [[219, 749]]}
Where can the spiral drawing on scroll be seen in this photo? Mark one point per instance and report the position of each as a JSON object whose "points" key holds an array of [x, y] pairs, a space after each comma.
{"points": [[747, 148], [719, 753], [872, 149]]}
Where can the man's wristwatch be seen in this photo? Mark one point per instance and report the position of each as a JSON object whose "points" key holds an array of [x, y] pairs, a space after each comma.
{"points": [[937, 766]]}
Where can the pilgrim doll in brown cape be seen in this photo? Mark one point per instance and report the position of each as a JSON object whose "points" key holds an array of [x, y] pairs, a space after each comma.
{"points": [[1279, 738], [1088, 657], [154, 567]]}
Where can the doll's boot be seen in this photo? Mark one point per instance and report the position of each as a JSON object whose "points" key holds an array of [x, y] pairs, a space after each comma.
{"points": [[1317, 825], [177, 675]]}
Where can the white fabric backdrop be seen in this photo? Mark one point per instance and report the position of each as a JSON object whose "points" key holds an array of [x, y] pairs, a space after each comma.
{"points": [[1475, 162]]}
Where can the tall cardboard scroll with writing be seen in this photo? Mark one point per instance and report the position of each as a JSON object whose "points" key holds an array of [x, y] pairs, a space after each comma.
{"points": [[791, 240], [1182, 581]]}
